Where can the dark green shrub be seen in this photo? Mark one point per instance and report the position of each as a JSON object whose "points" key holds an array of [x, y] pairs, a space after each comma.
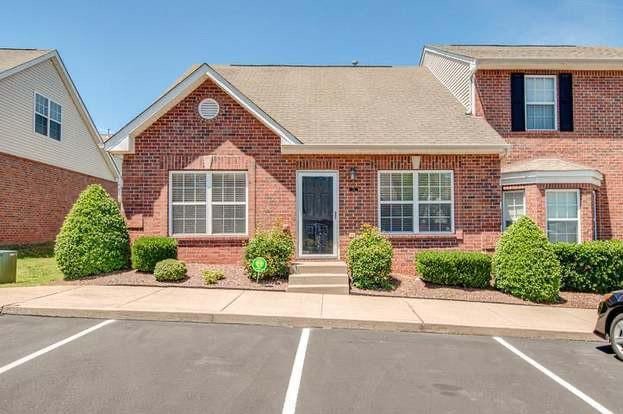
{"points": [[369, 259], [595, 266], [274, 245], [170, 270], [525, 264], [210, 277], [468, 269], [94, 237], [149, 250]]}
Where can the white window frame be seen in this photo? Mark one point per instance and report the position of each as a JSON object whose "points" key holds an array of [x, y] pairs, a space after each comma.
{"points": [[504, 217], [526, 77], [47, 116], [416, 202], [208, 203], [577, 191]]}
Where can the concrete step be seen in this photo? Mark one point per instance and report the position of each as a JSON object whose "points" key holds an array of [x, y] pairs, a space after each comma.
{"points": [[326, 289], [319, 267], [316, 279]]}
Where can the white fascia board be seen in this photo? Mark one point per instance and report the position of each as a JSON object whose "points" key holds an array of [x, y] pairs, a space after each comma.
{"points": [[176, 94], [394, 149], [592, 177], [449, 55], [550, 64]]}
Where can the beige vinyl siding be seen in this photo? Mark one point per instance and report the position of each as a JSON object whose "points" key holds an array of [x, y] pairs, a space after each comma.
{"points": [[76, 151], [453, 74]]}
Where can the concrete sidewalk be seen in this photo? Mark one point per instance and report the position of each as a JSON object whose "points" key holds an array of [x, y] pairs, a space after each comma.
{"points": [[300, 310]]}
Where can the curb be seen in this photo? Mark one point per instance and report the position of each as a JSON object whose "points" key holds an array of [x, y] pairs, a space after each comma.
{"points": [[295, 321]]}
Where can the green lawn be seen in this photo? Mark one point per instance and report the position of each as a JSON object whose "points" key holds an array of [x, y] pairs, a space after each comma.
{"points": [[35, 266]]}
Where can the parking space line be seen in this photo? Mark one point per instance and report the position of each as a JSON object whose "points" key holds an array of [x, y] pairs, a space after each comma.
{"points": [[289, 404], [597, 406], [53, 346]]}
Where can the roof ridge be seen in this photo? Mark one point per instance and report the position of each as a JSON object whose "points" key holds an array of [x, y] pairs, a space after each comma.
{"points": [[25, 49]]}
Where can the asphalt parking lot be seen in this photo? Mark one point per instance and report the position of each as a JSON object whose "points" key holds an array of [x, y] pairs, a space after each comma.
{"points": [[163, 367]]}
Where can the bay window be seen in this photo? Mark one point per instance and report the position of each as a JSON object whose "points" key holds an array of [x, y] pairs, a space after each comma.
{"points": [[416, 201], [203, 203], [513, 207], [563, 215]]}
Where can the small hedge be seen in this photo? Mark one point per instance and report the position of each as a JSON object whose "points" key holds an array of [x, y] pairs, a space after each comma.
{"points": [[170, 270], [274, 245], [467, 269], [149, 250], [369, 259], [595, 266], [210, 277], [94, 236], [525, 264]]}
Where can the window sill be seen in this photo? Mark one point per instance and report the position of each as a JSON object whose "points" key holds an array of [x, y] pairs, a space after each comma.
{"points": [[211, 237], [457, 235]]}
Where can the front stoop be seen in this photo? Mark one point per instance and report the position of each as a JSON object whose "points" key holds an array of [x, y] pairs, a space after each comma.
{"points": [[330, 277]]}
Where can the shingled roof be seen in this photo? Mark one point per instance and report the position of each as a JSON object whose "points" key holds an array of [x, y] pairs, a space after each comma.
{"points": [[12, 58], [544, 52]]}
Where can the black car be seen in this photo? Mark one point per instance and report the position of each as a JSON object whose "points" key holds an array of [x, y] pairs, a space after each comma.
{"points": [[610, 321]]}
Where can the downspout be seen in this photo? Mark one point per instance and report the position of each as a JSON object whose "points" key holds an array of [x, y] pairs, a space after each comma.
{"points": [[595, 221]]}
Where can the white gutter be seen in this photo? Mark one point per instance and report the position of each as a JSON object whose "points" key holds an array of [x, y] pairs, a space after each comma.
{"points": [[501, 149]]}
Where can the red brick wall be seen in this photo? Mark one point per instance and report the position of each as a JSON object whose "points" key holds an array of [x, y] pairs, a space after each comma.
{"points": [[235, 140], [35, 197], [597, 139]]}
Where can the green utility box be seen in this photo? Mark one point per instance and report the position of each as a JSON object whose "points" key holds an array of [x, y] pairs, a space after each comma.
{"points": [[8, 266]]}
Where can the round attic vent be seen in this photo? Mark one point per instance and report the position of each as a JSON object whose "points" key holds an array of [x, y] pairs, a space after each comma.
{"points": [[208, 108]]}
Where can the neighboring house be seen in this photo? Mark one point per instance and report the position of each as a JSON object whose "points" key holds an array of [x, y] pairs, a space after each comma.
{"points": [[49, 147], [325, 149]]}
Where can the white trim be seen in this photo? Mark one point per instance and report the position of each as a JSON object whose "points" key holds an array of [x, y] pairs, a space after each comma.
{"points": [[449, 55], [208, 203], [555, 103], [501, 149], [550, 64], [416, 203], [593, 177], [579, 221], [179, 92], [299, 211], [523, 193]]}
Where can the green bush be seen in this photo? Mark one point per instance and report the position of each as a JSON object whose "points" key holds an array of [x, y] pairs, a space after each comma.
{"points": [[525, 264], [210, 277], [274, 245], [595, 266], [38, 250], [149, 250], [468, 269], [94, 237], [369, 259], [170, 270]]}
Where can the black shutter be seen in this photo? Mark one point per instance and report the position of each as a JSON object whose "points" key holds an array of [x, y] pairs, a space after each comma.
{"points": [[565, 101], [518, 121]]}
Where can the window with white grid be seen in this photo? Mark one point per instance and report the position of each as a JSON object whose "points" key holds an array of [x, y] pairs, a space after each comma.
{"points": [[540, 94], [416, 201], [208, 203], [563, 218], [48, 117], [513, 206]]}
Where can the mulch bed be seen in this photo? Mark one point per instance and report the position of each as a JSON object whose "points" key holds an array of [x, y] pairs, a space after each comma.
{"points": [[235, 278], [413, 287], [407, 286]]}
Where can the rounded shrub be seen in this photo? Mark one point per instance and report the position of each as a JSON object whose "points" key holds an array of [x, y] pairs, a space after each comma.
{"points": [[94, 237], [211, 277], [170, 270], [525, 264], [149, 250], [369, 259], [594, 266], [467, 269], [274, 245]]}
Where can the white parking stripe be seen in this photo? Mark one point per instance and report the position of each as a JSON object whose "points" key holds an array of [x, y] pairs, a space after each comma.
{"points": [[289, 404], [53, 346], [600, 408]]}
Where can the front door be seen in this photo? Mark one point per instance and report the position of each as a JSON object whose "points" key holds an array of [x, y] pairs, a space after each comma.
{"points": [[317, 213]]}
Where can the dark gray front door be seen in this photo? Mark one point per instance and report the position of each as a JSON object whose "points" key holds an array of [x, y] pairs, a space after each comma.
{"points": [[317, 214]]}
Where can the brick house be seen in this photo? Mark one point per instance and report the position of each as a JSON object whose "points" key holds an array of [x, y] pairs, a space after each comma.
{"points": [[50, 149], [442, 155]]}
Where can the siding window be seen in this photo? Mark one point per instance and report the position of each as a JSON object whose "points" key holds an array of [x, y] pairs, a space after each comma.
{"points": [[540, 101], [563, 218], [204, 203], [48, 117], [416, 201], [513, 207]]}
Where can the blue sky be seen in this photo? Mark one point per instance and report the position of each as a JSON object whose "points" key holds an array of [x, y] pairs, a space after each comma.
{"points": [[122, 54]]}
